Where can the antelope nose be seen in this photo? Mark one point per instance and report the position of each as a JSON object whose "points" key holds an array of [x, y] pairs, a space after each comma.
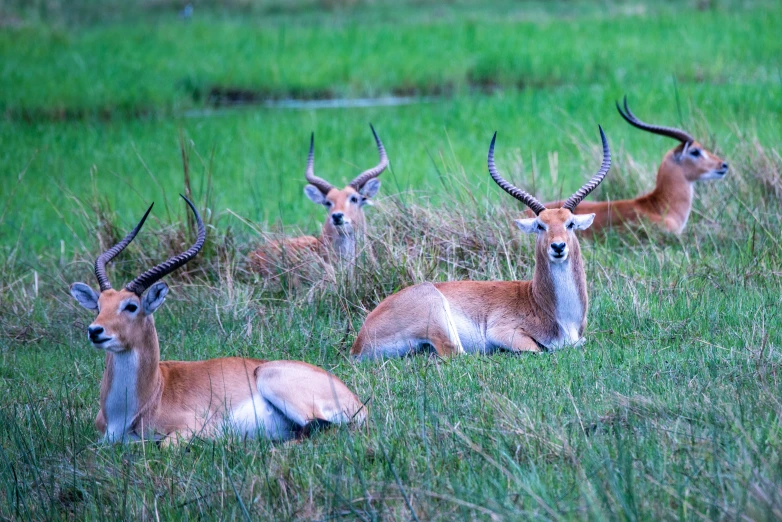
{"points": [[338, 218], [724, 166], [558, 247], [94, 331]]}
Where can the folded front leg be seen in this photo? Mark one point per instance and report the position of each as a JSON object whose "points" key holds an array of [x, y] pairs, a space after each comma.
{"points": [[512, 340]]}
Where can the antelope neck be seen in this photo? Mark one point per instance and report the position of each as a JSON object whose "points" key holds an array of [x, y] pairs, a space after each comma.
{"points": [[132, 387], [673, 193], [342, 241], [560, 293]]}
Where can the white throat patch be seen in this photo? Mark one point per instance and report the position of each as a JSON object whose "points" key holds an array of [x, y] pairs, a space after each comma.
{"points": [[569, 309], [122, 400], [344, 245], [691, 189]]}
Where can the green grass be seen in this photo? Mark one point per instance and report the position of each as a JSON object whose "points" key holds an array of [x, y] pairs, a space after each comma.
{"points": [[670, 411], [257, 157], [169, 65], [672, 62]]}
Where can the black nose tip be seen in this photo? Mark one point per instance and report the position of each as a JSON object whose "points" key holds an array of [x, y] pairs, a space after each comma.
{"points": [[724, 166], [337, 218], [94, 331], [558, 247]]}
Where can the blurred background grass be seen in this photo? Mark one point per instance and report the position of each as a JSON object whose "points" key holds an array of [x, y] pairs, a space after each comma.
{"points": [[97, 92]]}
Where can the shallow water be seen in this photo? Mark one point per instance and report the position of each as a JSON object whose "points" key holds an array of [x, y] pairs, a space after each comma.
{"points": [[336, 103]]}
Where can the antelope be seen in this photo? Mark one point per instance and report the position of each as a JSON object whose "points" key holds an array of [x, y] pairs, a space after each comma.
{"points": [[670, 203], [142, 397], [345, 224], [455, 317]]}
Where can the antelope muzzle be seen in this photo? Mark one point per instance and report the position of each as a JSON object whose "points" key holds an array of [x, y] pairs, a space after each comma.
{"points": [[338, 219], [97, 335], [558, 251]]}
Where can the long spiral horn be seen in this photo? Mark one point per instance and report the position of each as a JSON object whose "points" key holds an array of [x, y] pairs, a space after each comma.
{"points": [[526, 198], [590, 185], [375, 171], [671, 132], [148, 278], [320, 183], [108, 255]]}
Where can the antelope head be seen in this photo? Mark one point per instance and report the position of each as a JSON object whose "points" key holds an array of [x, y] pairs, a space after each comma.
{"points": [[345, 207], [124, 320], [556, 227], [689, 157]]}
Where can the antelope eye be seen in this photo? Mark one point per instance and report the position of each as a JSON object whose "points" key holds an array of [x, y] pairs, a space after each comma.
{"points": [[695, 153], [328, 203], [130, 307], [571, 224], [354, 199], [541, 227]]}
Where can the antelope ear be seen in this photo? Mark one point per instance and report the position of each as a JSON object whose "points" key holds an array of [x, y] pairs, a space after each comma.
{"points": [[154, 297], [583, 221], [682, 153], [315, 195], [85, 296], [370, 188], [528, 226]]}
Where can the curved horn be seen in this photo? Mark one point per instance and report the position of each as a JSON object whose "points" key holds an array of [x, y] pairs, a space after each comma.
{"points": [[108, 255], [529, 200], [148, 278], [321, 184], [671, 132], [590, 185], [375, 171]]}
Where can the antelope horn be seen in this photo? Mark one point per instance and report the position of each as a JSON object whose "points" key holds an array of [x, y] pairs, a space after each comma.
{"points": [[529, 200], [148, 278], [375, 171], [590, 185], [671, 132], [321, 184], [108, 255]]}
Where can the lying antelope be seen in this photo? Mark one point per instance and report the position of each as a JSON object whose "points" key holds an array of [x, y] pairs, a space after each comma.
{"points": [[345, 225], [142, 397], [670, 202], [484, 316]]}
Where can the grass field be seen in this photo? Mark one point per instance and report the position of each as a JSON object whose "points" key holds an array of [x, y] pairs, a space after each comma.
{"points": [[671, 410]]}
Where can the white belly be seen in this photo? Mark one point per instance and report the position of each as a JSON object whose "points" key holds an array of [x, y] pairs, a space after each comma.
{"points": [[257, 416], [472, 338]]}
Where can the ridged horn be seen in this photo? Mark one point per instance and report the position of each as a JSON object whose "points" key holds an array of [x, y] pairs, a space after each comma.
{"points": [[108, 255], [671, 132], [321, 184], [590, 185], [375, 171], [148, 278], [526, 198]]}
